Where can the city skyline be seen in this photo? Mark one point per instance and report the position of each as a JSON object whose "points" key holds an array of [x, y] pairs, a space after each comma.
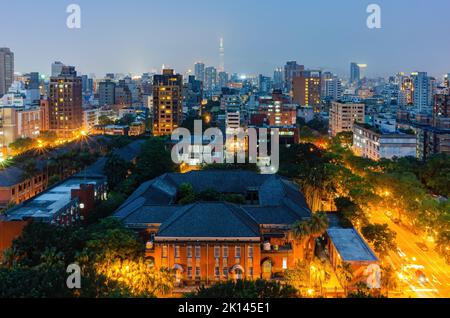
{"points": [[339, 35]]}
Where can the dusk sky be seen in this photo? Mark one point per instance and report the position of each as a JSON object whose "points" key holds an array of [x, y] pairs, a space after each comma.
{"points": [[137, 36]]}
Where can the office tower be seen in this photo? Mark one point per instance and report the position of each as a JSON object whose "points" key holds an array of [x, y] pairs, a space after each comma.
{"points": [[357, 72], [106, 92], [343, 115], [6, 70], [65, 103], [210, 79], [331, 87], [278, 78], [57, 68], [221, 56], [265, 85], [167, 102], [199, 70], [447, 80], [88, 84], [222, 80], [291, 70], [421, 83], [307, 89]]}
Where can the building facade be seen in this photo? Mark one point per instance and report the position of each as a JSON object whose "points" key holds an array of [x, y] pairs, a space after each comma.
{"points": [[167, 102], [344, 115], [6, 70], [65, 103]]}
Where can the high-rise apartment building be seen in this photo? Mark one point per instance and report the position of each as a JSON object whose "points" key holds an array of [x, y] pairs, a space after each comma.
{"points": [[199, 70], [421, 83], [307, 89], [167, 102], [278, 78], [344, 115], [331, 87], [6, 70], [65, 103], [291, 70], [106, 92], [210, 79], [441, 111]]}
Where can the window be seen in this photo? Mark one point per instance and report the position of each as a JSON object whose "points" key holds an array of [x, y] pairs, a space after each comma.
{"points": [[164, 251], [250, 252], [177, 251], [216, 252], [217, 271], [197, 272], [285, 263], [197, 252], [250, 271], [225, 271], [189, 271], [225, 252], [189, 252], [238, 252]]}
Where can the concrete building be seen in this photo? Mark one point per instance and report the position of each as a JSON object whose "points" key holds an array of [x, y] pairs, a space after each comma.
{"points": [[421, 83], [372, 143], [344, 115], [18, 123], [90, 119], [167, 102], [65, 103], [106, 93], [199, 69], [307, 89], [6, 70], [291, 70]]}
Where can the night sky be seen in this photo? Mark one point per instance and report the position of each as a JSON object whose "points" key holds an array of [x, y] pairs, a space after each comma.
{"points": [[141, 35]]}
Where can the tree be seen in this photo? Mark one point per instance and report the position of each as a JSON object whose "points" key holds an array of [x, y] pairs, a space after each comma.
{"points": [[436, 174], [443, 245], [299, 277], [350, 212], [105, 121], [380, 237], [116, 170], [241, 289], [153, 161], [309, 230], [22, 145], [48, 137], [345, 275], [389, 279], [29, 169]]}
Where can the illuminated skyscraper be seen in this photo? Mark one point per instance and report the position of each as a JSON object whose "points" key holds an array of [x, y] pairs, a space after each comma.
{"points": [[421, 83], [291, 70], [167, 102], [357, 72]]}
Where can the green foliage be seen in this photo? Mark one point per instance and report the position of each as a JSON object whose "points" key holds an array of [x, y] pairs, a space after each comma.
{"points": [[187, 195], [380, 237], [22, 145], [242, 289], [436, 174], [116, 170], [153, 161], [105, 121], [350, 213]]}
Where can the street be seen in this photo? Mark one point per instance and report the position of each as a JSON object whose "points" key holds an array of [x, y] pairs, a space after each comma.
{"points": [[410, 260]]}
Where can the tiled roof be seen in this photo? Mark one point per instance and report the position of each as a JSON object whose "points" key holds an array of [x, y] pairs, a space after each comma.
{"points": [[281, 203], [209, 220]]}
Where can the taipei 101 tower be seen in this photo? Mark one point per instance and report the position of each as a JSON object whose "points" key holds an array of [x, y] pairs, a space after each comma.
{"points": [[222, 56]]}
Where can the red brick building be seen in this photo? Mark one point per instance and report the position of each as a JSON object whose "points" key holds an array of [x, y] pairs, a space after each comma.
{"points": [[207, 242]]}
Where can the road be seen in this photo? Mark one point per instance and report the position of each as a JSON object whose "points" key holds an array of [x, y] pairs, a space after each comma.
{"points": [[437, 272]]}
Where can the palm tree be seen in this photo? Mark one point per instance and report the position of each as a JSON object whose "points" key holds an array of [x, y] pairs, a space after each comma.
{"points": [[310, 230]]}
